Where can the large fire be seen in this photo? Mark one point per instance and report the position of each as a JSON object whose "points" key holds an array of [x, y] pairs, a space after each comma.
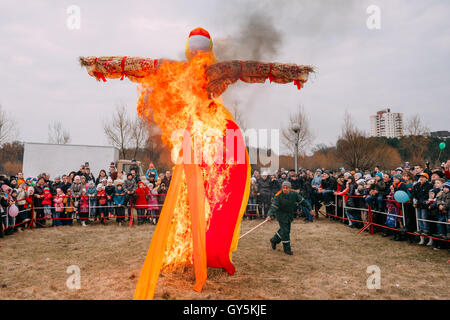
{"points": [[177, 100], [200, 220]]}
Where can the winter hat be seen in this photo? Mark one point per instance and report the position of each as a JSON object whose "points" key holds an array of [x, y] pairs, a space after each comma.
{"points": [[140, 182], [347, 174], [47, 188], [423, 174], [446, 185], [99, 187], [286, 183], [319, 170], [397, 176], [119, 182], [358, 175], [109, 180], [361, 182], [399, 169], [30, 190], [379, 174]]}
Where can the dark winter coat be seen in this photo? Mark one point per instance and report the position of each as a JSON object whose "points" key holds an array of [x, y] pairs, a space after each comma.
{"points": [[421, 193]]}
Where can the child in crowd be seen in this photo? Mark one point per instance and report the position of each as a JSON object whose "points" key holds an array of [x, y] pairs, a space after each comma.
{"points": [[47, 203], [21, 203], [362, 192], [109, 191], [153, 204], [4, 221], [141, 201], [59, 207], [13, 201], [5, 202], [69, 205], [102, 202], [83, 207], [92, 195], [442, 206], [29, 205], [393, 208], [119, 201], [151, 171]]}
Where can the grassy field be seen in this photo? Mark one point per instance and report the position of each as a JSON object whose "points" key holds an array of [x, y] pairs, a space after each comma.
{"points": [[329, 262]]}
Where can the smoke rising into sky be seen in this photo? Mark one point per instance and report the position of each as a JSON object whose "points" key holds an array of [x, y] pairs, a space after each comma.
{"points": [[402, 66]]}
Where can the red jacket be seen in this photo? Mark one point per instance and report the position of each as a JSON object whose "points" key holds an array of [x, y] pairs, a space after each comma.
{"points": [[29, 202], [47, 199], [141, 200], [101, 196]]}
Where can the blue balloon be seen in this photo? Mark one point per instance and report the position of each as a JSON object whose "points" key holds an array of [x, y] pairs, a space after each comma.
{"points": [[401, 196]]}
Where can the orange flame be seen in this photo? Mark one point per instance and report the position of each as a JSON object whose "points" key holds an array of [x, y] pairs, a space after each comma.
{"points": [[176, 98]]}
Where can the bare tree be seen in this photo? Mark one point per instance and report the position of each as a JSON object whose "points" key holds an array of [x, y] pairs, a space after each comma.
{"points": [[139, 134], [297, 131], [359, 151], [415, 127], [415, 141], [56, 133], [118, 129], [238, 115], [8, 127]]}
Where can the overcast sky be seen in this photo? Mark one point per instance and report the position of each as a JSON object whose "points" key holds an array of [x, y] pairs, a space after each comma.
{"points": [[404, 65]]}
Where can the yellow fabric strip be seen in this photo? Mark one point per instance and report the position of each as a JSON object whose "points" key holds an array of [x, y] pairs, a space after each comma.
{"points": [[145, 288]]}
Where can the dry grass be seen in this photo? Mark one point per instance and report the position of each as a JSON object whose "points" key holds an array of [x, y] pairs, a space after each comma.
{"points": [[329, 262]]}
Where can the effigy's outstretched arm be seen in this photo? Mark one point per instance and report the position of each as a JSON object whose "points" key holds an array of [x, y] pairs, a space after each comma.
{"points": [[135, 68], [221, 74]]}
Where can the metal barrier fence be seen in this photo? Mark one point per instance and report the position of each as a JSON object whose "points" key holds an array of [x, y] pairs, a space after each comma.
{"points": [[369, 223]]}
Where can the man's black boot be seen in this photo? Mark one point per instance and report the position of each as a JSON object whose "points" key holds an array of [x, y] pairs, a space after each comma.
{"points": [[273, 243]]}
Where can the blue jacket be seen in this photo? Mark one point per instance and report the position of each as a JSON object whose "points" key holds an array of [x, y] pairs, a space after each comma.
{"points": [[119, 196], [91, 191]]}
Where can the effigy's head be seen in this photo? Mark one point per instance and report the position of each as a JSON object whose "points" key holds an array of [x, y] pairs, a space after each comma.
{"points": [[198, 40]]}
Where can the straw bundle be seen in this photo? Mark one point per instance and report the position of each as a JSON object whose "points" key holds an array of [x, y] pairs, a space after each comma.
{"points": [[117, 67], [224, 73]]}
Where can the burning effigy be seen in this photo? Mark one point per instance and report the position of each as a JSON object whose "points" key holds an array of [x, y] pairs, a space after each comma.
{"points": [[199, 223]]}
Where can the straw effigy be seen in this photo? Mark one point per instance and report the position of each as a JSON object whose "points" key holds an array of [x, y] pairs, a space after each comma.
{"points": [[219, 75]]}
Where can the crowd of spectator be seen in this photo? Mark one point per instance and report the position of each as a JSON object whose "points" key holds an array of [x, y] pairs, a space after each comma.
{"points": [[345, 195], [80, 196], [348, 195]]}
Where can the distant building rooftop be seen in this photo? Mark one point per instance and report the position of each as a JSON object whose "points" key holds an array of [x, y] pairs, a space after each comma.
{"points": [[440, 134]]}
